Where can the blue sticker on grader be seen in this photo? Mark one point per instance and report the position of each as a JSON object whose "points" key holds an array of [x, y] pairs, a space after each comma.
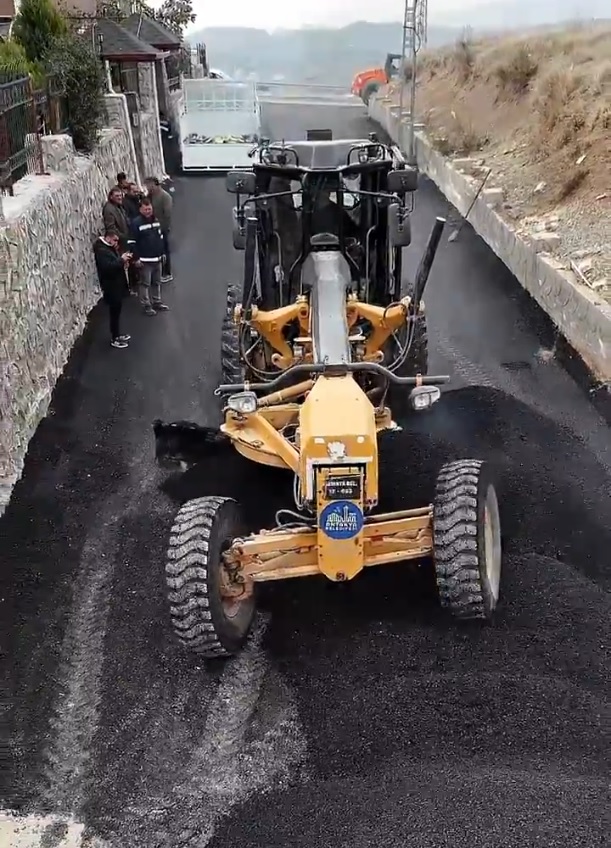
{"points": [[341, 520]]}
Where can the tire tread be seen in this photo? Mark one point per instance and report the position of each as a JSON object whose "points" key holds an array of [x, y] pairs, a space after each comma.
{"points": [[232, 370], [187, 576], [456, 527]]}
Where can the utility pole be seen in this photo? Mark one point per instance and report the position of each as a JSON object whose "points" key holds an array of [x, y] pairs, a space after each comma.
{"points": [[415, 19]]}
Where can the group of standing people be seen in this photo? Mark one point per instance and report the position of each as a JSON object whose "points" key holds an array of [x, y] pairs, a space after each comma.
{"points": [[133, 255]]}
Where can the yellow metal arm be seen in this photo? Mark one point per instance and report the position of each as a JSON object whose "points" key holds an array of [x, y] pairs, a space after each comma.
{"points": [[384, 320], [270, 324]]}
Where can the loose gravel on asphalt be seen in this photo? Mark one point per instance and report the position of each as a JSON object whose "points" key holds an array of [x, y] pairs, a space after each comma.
{"points": [[358, 715]]}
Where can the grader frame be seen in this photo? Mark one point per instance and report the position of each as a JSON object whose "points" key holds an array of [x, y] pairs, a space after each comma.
{"points": [[319, 418]]}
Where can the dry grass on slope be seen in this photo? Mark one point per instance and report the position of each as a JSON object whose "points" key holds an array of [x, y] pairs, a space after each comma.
{"points": [[537, 110]]}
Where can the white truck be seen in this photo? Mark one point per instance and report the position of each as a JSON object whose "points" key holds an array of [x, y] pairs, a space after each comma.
{"points": [[220, 122]]}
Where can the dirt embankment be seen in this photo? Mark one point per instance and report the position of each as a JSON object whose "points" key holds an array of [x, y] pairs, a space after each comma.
{"points": [[536, 109]]}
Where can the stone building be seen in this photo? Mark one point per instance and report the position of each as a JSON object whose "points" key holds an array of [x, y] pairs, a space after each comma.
{"points": [[132, 66]]}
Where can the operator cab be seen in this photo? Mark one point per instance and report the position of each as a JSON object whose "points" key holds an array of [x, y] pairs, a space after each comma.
{"points": [[321, 196], [325, 191], [323, 155]]}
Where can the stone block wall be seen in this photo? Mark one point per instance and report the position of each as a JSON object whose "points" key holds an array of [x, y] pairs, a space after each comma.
{"points": [[148, 133], [118, 118], [147, 87], [48, 282], [152, 154], [174, 108], [163, 89]]}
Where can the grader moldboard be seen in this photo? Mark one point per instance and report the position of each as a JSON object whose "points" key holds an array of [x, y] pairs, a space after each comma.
{"points": [[319, 350]]}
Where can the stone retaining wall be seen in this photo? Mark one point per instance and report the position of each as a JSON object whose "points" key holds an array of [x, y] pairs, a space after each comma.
{"points": [[48, 282], [150, 139], [118, 118], [148, 132], [174, 108], [581, 315]]}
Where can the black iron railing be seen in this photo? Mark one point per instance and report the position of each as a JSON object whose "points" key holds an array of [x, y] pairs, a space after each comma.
{"points": [[26, 114]]}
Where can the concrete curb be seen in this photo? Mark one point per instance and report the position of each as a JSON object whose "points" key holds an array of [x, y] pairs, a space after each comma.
{"points": [[581, 315]]}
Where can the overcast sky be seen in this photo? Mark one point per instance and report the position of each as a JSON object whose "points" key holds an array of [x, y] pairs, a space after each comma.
{"points": [[270, 14]]}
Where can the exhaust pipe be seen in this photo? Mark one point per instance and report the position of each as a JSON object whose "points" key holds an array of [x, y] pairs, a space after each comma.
{"points": [[426, 263]]}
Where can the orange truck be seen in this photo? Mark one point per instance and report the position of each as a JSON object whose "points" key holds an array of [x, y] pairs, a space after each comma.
{"points": [[368, 82]]}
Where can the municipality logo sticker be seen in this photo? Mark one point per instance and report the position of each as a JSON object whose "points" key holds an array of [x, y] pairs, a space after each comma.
{"points": [[341, 520]]}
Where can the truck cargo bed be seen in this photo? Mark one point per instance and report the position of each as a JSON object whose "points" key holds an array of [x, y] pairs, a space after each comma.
{"points": [[219, 124]]}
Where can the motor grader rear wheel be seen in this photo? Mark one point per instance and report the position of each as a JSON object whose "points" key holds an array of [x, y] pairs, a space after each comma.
{"points": [[232, 369], [467, 540], [205, 619]]}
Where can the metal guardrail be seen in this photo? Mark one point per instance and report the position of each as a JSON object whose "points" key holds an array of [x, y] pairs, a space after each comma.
{"points": [[306, 93], [280, 92]]}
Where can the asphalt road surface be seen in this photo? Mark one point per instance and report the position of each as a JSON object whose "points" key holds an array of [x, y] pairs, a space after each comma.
{"points": [[358, 715]]}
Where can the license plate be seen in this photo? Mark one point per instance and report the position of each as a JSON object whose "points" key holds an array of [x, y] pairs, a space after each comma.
{"points": [[343, 489]]}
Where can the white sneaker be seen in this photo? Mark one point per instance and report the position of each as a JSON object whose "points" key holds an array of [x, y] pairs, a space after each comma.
{"points": [[119, 344], [167, 278]]}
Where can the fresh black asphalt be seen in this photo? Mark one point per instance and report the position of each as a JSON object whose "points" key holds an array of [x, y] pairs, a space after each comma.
{"points": [[359, 715]]}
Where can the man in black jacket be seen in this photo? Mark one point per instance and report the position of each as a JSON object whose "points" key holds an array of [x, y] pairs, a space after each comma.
{"points": [[132, 196], [111, 273], [146, 244]]}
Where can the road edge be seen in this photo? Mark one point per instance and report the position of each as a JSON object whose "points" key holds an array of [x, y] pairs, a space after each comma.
{"points": [[581, 315]]}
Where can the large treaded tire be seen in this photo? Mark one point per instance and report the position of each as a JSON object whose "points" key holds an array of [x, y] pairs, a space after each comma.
{"points": [[418, 359], [201, 530], [232, 369], [467, 540]]}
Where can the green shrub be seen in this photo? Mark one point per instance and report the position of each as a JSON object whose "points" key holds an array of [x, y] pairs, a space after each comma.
{"points": [[37, 24], [14, 64], [72, 62]]}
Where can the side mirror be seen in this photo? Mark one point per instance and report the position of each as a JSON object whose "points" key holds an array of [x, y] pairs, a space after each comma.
{"points": [[402, 181], [240, 182], [399, 226]]}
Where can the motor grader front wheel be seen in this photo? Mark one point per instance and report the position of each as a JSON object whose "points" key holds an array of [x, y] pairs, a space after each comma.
{"points": [[467, 540], [206, 618]]}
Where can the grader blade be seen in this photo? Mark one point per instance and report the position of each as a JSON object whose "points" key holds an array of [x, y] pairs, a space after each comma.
{"points": [[180, 444]]}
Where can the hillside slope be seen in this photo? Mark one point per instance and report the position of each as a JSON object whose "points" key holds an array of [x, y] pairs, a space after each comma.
{"points": [[333, 54], [536, 109], [318, 55]]}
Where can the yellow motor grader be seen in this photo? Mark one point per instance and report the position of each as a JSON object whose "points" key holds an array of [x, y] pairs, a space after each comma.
{"points": [[320, 353]]}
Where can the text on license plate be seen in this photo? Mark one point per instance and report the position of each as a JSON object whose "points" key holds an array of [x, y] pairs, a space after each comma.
{"points": [[343, 488]]}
